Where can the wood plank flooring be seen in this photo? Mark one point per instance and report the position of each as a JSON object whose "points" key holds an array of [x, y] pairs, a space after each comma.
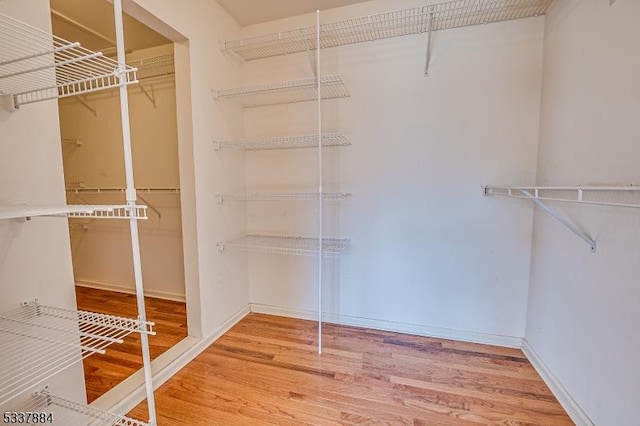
{"points": [[102, 372], [265, 371]]}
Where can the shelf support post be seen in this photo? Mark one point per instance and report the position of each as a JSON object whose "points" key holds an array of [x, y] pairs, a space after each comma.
{"points": [[566, 222], [426, 67], [320, 179], [131, 197]]}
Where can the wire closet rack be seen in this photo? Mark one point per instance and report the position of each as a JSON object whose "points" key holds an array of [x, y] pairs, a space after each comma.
{"points": [[283, 196], [40, 341], [36, 66], [285, 142], [442, 16], [295, 246], [65, 412], [286, 92], [154, 66], [93, 211]]}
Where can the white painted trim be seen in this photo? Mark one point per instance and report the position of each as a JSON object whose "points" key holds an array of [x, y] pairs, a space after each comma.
{"points": [[126, 395], [572, 408], [130, 290], [377, 324]]}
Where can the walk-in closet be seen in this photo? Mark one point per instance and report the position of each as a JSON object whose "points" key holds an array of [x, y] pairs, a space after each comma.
{"points": [[288, 212]]}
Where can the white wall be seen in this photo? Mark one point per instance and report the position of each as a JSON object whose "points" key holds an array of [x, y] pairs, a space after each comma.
{"points": [[428, 252], [35, 258], [102, 249], [583, 319], [216, 286]]}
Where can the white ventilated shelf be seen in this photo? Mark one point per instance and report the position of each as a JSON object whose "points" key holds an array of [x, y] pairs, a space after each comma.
{"points": [[297, 246], [39, 341], [616, 196], [70, 413], [285, 92], [154, 66], [75, 211], [36, 65], [285, 142], [397, 23], [120, 190], [283, 196]]}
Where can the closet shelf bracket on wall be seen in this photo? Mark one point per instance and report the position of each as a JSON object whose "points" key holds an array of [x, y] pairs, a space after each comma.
{"points": [[285, 92], [283, 196], [37, 66], [40, 341], [296, 246], [612, 196], [85, 104], [65, 412], [442, 16], [285, 142]]}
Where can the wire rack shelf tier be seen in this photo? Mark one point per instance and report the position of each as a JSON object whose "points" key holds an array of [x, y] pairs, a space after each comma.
{"points": [[285, 142], [297, 246], [154, 66], [36, 65], [75, 211], [70, 413], [119, 190], [39, 341], [453, 14], [283, 196], [286, 92], [615, 196]]}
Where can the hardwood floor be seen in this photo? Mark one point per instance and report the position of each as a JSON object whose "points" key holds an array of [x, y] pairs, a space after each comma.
{"points": [[265, 371], [102, 372]]}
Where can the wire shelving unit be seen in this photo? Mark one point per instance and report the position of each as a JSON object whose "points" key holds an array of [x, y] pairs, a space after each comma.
{"points": [[442, 16], [75, 211], [285, 142], [283, 196], [66, 412], [286, 92], [296, 246], [36, 65], [40, 341]]}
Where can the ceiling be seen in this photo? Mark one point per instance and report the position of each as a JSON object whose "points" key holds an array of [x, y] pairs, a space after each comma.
{"points": [[91, 22], [249, 12]]}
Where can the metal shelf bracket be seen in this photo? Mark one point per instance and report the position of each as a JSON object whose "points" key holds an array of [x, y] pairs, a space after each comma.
{"points": [[563, 220]]}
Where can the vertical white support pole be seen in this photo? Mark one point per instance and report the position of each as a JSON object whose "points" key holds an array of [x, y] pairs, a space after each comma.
{"points": [[320, 179], [131, 202]]}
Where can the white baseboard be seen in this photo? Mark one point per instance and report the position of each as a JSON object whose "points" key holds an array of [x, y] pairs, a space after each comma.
{"points": [[572, 408], [416, 329], [125, 396], [176, 297]]}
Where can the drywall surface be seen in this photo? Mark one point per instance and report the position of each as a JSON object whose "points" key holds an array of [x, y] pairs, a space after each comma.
{"points": [[93, 158], [216, 286], [35, 257], [427, 249], [583, 318]]}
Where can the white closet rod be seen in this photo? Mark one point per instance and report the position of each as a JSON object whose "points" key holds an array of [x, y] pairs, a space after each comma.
{"points": [[320, 180]]}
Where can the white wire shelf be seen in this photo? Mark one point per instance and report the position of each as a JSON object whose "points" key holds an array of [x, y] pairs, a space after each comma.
{"points": [[75, 211], [154, 66], [39, 341], [283, 196], [286, 92], [36, 65], [70, 413], [453, 14], [285, 142], [297, 246], [616, 196], [120, 190]]}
